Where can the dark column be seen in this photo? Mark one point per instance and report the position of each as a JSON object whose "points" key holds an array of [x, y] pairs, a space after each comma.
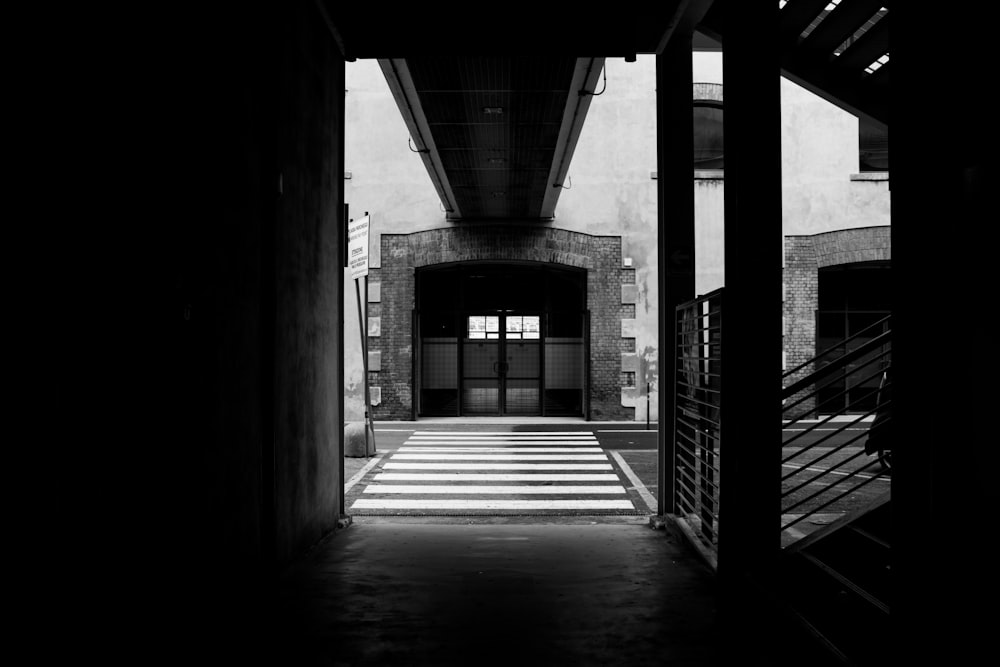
{"points": [[751, 318], [944, 571], [170, 384], [215, 352], [675, 239], [308, 275]]}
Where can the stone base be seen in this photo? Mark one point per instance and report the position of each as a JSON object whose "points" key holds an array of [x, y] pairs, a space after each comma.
{"points": [[354, 440]]}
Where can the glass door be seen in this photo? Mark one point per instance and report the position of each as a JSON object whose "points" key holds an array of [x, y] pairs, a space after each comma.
{"points": [[481, 365], [501, 364], [522, 365]]}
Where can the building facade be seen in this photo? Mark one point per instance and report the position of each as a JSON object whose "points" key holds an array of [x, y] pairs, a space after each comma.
{"points": [[559, 318]]}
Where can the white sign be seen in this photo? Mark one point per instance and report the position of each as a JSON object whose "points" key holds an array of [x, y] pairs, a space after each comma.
{"points": [[357, 247]]}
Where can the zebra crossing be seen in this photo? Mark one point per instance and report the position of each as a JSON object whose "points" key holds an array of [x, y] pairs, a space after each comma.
{"points": [[537, 472]]}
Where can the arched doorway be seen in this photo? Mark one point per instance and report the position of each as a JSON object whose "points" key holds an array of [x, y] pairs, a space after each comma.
{"points": [[501, 339]]}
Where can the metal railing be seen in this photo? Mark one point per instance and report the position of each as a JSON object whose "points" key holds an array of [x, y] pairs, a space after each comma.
{"points": [[696, 423], [826, 459]]}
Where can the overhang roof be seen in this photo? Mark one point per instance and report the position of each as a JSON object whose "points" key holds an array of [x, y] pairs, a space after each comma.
{"points": [[838, 49], [494, 102], [496, 133]]}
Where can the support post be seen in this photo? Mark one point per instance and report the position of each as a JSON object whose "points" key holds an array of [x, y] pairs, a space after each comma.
{"points": [[943, 463], [363, 326], [749, 536], [675, 238]]}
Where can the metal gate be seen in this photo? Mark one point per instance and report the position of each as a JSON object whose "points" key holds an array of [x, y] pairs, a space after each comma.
{"points": [[697, 407]]}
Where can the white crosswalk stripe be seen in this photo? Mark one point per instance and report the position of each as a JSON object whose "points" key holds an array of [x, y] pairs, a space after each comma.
{"points": [[434, 456], [476, 504], [524, 489], [495, 477], [454, 471], [498, 466], [507, 450]]}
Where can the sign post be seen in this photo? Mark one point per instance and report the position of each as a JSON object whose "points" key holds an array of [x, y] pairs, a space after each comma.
{"points": [[357, 257]]}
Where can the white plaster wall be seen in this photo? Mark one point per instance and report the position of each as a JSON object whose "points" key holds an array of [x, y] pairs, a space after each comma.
{"points": [[819, 153], [709, 214], [708, 196], [613, 193], [387, 180], [706, 66]]}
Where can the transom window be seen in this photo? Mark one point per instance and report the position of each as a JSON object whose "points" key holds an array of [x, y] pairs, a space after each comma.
{"points": [[484, 326], [708, 135], [873, 146], [517, 327], [522, 326]]}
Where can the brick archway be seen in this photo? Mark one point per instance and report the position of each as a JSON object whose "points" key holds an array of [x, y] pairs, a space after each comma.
{"points": [[804, 257], [391, 351]]}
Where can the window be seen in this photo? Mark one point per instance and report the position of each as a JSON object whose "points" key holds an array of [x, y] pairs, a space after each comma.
{"points": [[522, 327], [873, 147], [708, 149], [484, 326], [853, 298]]}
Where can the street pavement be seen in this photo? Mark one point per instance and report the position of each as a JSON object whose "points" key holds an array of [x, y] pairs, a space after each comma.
{"points": [[501, 470], [625, 453]]}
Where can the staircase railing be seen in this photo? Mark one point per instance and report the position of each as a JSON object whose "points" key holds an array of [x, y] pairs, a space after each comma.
{"points": [[829, 417], [697, 401]]}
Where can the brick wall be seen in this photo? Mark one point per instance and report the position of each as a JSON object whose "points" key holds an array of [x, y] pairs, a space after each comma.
{"points": [[609, 331], [804, 257], [847, 246], [402, 254], [394, 345], [801, 279]]}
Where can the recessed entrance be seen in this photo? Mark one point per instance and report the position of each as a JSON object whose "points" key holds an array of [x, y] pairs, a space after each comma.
{"points": [[853, 302], [502, 372], [501, 339]]}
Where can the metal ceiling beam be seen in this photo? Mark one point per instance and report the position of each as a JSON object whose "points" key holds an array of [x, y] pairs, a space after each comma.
{"points": [[686, 18], [848, 93], [581, 91], [397, 75], [862, 95], [839, 25]]}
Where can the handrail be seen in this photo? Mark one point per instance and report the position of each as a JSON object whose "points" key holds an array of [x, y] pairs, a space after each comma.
{"points": [[829, 436], [790, 406], [833, 367], [697, 384], [823, 472], [834, 348]]}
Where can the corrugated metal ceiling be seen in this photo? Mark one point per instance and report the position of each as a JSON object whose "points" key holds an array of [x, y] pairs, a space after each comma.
{"points": [[495, 123]]}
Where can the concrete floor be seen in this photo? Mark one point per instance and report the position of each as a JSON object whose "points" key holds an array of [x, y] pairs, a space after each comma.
{"points": [[589, 592]]}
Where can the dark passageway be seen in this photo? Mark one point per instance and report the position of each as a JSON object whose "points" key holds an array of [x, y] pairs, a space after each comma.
{"points": [[197, 356], [451, 593]]}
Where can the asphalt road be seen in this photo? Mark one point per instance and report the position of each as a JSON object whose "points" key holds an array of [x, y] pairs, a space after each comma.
{"points": [[389, 435], [859, 476]]}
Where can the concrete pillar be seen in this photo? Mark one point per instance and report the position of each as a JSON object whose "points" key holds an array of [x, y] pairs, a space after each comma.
{"points": [[751, 317], [675, 238], [308, 275], [943, 376], [202, 387]]}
